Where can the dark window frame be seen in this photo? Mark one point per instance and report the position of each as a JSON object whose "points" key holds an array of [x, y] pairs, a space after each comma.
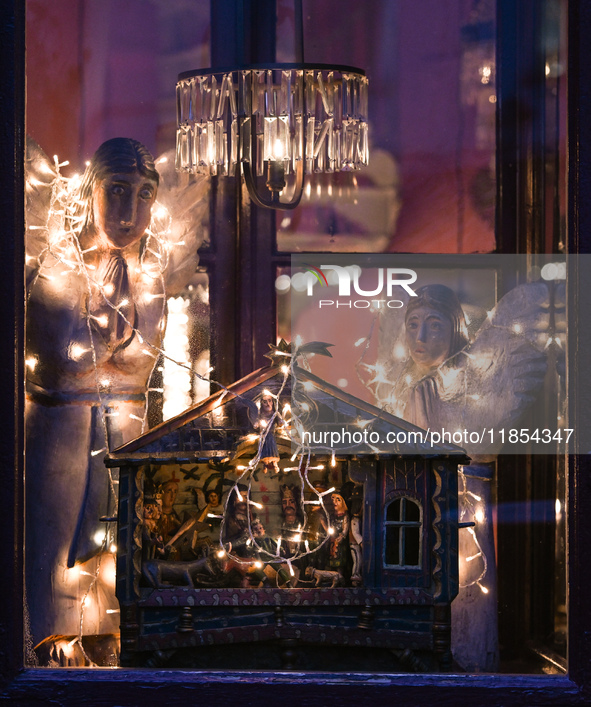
{"points": [[127, 687], [403, 524]]}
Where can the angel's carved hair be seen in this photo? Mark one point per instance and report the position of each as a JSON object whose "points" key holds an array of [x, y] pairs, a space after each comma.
{"points": [[118, 155], [444, 300]]}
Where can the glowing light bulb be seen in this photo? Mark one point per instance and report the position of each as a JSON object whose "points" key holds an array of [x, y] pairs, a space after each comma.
{"points": [[483, 589], [108, 289], [31, 363], [221, 553], [77, 351], [98, 537], [278, 151]]}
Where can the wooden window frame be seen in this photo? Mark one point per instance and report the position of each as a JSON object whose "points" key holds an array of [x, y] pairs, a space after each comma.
{"points": [[403, 525]]}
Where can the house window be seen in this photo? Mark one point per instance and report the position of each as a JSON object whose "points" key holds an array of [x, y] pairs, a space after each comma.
{"points": [[403, 525]]}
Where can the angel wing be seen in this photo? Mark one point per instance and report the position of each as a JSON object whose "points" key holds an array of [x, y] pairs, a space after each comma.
{"points": [[183, 206], [40, 180], [488, 385]]}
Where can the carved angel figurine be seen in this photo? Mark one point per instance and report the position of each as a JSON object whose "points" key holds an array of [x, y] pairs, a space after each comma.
{"points": [[102, 259], [447, 382]]}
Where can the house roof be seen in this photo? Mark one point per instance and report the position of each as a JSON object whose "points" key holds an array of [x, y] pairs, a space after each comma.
{"points": [[216, 424]]}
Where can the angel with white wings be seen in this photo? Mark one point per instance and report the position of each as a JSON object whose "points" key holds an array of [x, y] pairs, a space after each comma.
{"points": [[103, 256], [431, 374]]}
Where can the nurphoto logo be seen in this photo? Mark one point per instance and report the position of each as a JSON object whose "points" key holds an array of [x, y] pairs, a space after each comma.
{"points": [[387, 279]]}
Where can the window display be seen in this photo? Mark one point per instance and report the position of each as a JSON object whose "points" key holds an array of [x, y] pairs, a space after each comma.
{"points": [[132, 333]]}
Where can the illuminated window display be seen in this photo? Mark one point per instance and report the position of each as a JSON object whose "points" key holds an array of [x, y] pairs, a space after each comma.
{"points": [[431, 188]]}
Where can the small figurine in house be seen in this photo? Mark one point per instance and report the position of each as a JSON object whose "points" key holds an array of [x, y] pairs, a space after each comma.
{"points": [[169, 521], [340, 524], [268, 548], [235, 529], [212, 491], [152, 544], [267, 421]]}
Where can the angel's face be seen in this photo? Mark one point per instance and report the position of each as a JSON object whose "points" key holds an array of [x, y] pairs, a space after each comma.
{"points": [[428, 336], [123, 207]]}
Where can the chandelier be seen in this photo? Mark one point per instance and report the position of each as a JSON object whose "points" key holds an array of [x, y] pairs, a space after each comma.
{"points": [[274, 123]]}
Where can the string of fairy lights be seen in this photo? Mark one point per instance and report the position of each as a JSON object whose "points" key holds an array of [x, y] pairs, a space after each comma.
{"points": [[60, 236], [62, 230]]}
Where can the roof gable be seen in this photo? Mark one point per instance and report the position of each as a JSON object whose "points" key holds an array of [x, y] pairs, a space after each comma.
{"points": [[219, 424]]}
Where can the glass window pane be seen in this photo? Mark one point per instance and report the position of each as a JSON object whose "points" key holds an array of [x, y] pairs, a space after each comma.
{"points": [[412, 547], [412, 511], [392, 551], [394, 510]]}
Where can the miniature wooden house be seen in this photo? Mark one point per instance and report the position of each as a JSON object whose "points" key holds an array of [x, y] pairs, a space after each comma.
{"points": [[232, 531]]}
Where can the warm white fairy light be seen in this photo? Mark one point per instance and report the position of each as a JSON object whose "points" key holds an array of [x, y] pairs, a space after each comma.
{"points": [[77, 351], [99, 537], [31, 362]]}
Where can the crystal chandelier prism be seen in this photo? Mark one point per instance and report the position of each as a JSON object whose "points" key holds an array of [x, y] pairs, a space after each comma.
{"points": [[275, 121]]}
